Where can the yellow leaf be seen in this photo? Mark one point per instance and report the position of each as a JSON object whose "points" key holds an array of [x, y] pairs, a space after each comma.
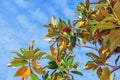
{"points": [[64, 44], [53, 51], [106, 74], [103, 26], [101, 6], [60, 49], [31, 45], [112, 40], [91, 66], [81, 23], [116, 9], [21, 71], [53, 21], [26, 74]]}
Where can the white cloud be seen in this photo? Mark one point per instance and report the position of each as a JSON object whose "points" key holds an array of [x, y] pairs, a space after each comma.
{"points": [[39, 15], [9, 7], [22, 3], [31, 31], [24, 22], [3, 22], [68, 13]]}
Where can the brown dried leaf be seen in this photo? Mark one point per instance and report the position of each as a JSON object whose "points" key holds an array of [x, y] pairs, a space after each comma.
{"points": [[88, 5], [104, 13], [112, 40]]}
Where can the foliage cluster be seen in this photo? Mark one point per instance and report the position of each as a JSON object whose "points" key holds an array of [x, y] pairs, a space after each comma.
{"points": [[98, 23]]}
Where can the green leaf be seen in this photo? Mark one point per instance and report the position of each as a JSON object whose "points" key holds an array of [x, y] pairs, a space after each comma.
{"points": [[69, 22], [50, 57], [70, 61], [34, 77], [36, 50], [92, 55], [44, 77], [52, 65], [73, 40], [77, 72], [18, 54], [22, 50], [60, 25], [65, 62], [61, 68], [17, 62], [29, 53], [38, 55]]}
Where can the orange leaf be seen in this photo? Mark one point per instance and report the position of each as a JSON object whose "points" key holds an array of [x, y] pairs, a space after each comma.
{"points": [[21, 71], [26, 74]]}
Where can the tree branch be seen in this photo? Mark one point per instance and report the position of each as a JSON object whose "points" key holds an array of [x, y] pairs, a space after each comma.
{"points": [[88, 47], [115, 68]]}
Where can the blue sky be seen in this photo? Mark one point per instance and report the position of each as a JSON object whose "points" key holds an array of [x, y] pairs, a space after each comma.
{"points": [[21, 22]]}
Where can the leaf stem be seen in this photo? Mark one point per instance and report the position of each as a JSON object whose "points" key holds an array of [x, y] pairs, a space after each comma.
{"points": [[29, 64]]}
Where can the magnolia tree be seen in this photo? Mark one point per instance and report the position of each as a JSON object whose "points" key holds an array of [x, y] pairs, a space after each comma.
{"points": [[98, 23]]}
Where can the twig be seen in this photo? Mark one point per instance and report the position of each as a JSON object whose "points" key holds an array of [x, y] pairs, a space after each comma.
{"points": [[111, 66], [88, 47], [115, 68]]}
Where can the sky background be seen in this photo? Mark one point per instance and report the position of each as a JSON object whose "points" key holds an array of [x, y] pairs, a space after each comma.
{"points": [[21, 22]]}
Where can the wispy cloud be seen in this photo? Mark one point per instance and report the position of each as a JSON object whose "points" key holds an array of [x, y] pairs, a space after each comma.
{"points": [[22, 3], [20, 23], [9, 6], [38, 15]]}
